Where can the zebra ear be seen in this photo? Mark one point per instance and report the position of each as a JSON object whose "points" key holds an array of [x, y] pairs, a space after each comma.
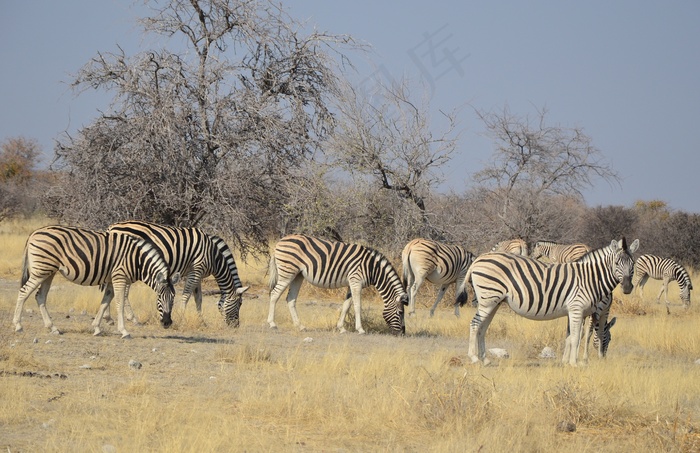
{"points": [[612, 322], [615, 244], [175, 278], [635, 245], [242, 290]]}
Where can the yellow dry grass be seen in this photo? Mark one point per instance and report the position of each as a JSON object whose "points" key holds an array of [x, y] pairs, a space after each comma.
{"points": [[205, 387]]}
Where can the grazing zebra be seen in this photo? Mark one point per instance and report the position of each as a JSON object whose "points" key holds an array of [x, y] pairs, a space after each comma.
{"points": [[662, 269], [590, 328], [329, 264], [91, 258], [440, 264], [195, 255], [559, 253], [515, 246], [540, 292]]}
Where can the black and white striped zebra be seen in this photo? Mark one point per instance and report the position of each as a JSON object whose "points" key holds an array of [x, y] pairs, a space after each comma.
{"points": [[559, 253], [195, 255], [329, 264], [92, 258], [664, 269], [440, 264], [540, 292], [515, 246]]}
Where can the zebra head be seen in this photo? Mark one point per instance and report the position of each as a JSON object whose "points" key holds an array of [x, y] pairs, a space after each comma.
{"points": [[394, 314], [230, 306], [602, 351], [166, 296], [623, 263]]}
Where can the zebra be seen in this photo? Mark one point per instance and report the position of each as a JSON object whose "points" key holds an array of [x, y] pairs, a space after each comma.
{"points": [[540, 292], [330, 264], [516, 246], [664, 269], [440, 264], [559, 253], [195, 255], [91, 258]]}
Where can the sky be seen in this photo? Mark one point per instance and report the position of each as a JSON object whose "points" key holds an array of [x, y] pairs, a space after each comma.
{"points": [[626, 72]]}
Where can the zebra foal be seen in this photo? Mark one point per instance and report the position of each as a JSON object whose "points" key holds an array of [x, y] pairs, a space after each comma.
{"points": [[662, 269], [540, 292], [440, 264], [329, 264], [195, 255], [92, 258], [559, 253]]}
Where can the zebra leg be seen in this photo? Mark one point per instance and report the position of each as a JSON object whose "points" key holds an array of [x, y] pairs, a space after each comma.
{"points": [[24, 292], [356, 291], [192, 280], [128, 311], [477, 333], [640, 286], [413, 293], [292, 294], [119, 295], [41, 302], [344, 313], [198, 301], [440, 294], [574, 338], [103, 311]]}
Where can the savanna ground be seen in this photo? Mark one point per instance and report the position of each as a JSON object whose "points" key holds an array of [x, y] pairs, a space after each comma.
{"points": [[206, 387]]}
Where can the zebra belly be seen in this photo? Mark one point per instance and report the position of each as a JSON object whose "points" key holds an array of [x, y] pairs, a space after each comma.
{"points": [[539, 312], [74, 277], [332, 284]]}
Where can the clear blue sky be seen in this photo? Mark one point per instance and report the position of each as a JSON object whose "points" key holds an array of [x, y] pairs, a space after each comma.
{"points": [[627, 72]]}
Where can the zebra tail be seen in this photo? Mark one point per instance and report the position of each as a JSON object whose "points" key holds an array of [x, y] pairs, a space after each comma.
{"points": [[462, 294], [273, 272], [25, 265]]}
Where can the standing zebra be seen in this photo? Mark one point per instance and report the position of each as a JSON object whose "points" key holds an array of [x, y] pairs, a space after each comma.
{"points": [[515, 246], [195, 255], [559, 253], [91, 258], [662, 269], [540, 292], [329, 264], [440, 264]]}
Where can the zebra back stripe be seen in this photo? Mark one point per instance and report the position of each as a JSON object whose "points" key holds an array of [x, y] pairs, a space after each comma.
{"points": [[559, 253], [515, 246]]}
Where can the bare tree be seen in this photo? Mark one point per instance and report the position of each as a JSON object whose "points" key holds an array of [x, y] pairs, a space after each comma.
{"points": [[533, 161], [19, 157], [387, 143], [206, 135]]}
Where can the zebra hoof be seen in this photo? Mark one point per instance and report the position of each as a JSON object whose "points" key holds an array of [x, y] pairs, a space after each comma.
{"points": [[342, 330], [55, 331], [361, 332], [273, 326], [97, 332], [126, 336], [18, 328]]}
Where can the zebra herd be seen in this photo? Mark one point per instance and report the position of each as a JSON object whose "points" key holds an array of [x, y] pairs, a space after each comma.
{"points": [[576, 282]]}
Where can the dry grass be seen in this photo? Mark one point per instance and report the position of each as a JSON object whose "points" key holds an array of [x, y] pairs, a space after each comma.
{"points": [[205, 387]]}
